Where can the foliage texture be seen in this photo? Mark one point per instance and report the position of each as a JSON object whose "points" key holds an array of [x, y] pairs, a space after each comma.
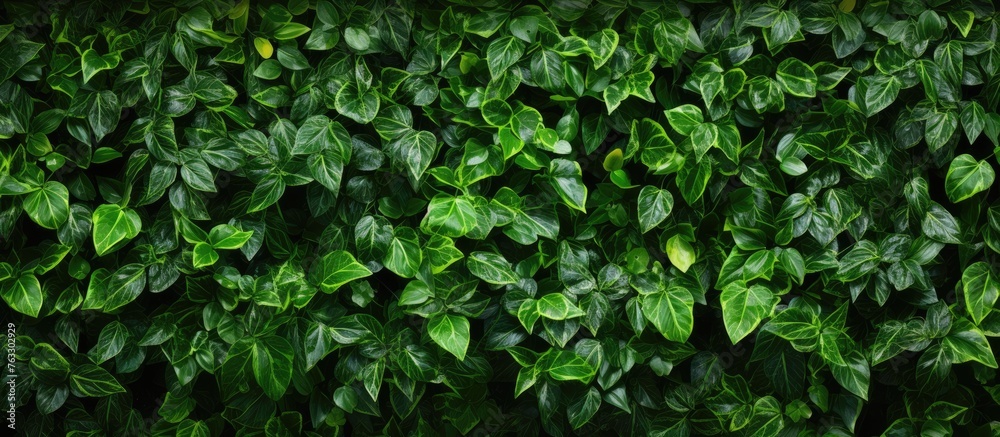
{"points": [[374, 217]]}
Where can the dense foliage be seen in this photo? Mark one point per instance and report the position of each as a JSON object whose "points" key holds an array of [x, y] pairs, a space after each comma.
{"points": [[482, 217]]}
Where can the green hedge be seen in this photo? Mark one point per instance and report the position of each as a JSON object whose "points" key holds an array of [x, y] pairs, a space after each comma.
{"points": [[486, 217]]}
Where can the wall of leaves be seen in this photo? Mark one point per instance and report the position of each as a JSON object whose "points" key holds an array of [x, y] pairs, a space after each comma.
{"points": [[465, 217]]}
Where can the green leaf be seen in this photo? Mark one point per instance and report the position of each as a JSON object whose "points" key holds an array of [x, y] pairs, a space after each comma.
{"points": [[404, 255], [113, 225], [415, 150], [555, 306], [48, 206], [974, 119], [48, 365], [503, 53], [228, 237], [797, 78], [89, 380], [93, 63], [692, 179], [497, 112], [939, 129], [336, 269], [654, 207], [967, 343], [24, 295], [671, 311], [451, 332], [567, 179], [122, 287], [491, 267], [967, 177], [860, 261], [680, 253], [940, 225], [685, 118], [203, 255], [879, 92], [744, 307], [110, 343], [980, 290], [441, 252], [104, 113], [449, 216], [357, 104], [583, 409], [346, 398], [272, 365], [266, 193], [319, 133], [564, 365], [854, 375]]}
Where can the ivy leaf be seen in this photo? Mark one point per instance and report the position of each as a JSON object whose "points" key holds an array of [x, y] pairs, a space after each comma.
{"points": [[336, 269], [671, 311], [89, 380], [567, 178], [415, 150], [272, 365], [491, 267], [451, 332], [24, 295], [940, 225], [980, 290], [680, 253], [967, 177], [450, 216], [113, 225], [880, 92], [797, 78], [503, 53], [48, 206], [404, 255], [743, 308]]}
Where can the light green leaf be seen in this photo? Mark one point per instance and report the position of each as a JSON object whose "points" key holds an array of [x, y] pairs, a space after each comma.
{"points": [[113, 225], [203, 255], [564, 365], [967, 177], [744, 307], [24, 295], [555, 306], [880, 91], [336, 269], [680, 253], [415, 150], [967, 343], [228, 237], [451, 332], [980, 290], [93, 63], [685, 118], [451, 216], [48, 206], [854, 375], [502, 53], [671, 311], [404, 255]]}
